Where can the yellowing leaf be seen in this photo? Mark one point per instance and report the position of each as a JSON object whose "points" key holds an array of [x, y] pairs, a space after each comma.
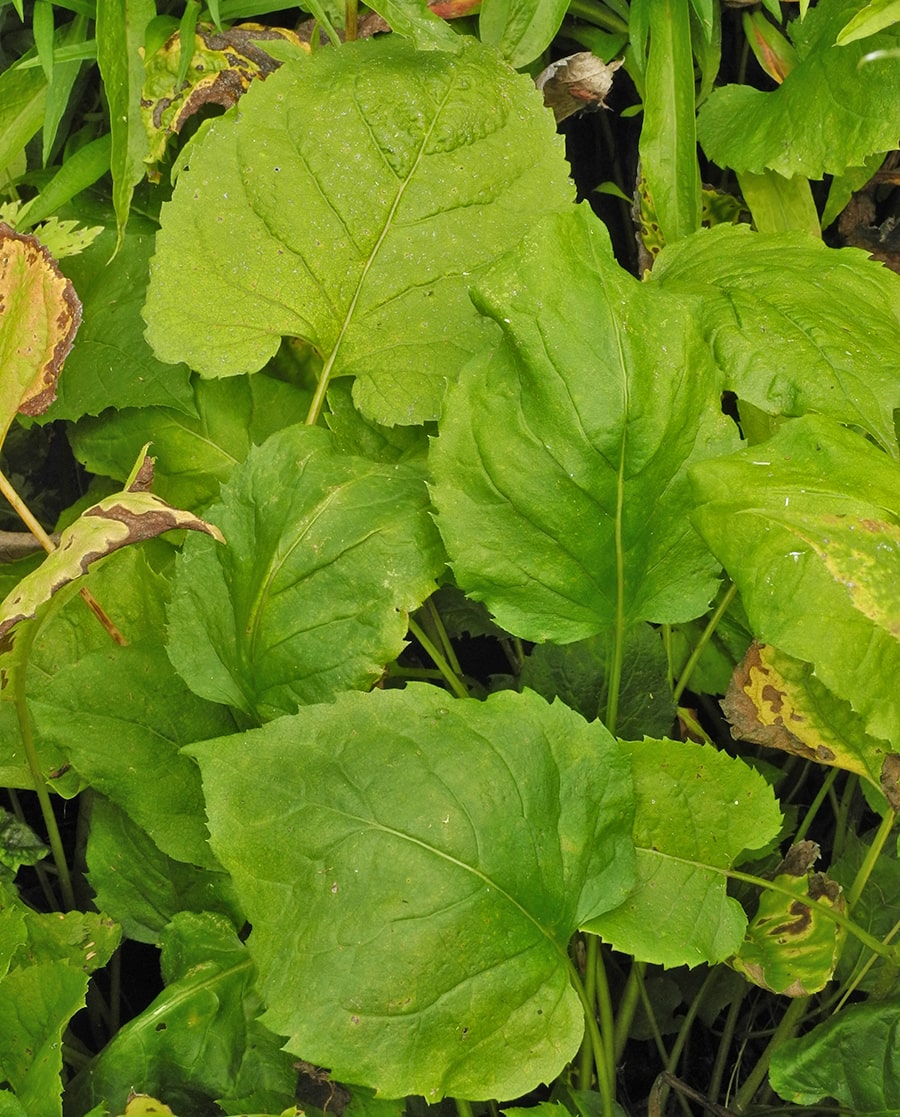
{"points": [[221, 69], [792, 946], [116, 521], [39, 316], [777, 701]]}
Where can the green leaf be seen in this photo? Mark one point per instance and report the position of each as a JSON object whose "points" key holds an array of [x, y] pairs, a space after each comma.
{"points": [[778, 204], [560, 466], [111, 364], [116, 521], [193, 454], [142, 888], [578, 674], [355, 434], [43, 989], [697, 810], [416, 22], [312, 598], [80, 170], [807, 525], [852, 1057], [23, 99], [19, 845], [796, 326], [120, 41], [199, 1041], [791, 946], [121, 716], [36, 1004], [520, 29], [365, 252], [830, 113], [668, 143], [874, 17], [877, 911], [413, 867]]}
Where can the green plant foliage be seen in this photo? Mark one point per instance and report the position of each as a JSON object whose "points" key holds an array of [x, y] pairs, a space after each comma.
{"points": [[401, 826], [851, 1057], [113, 743], [796, 521], [312, 600], [200, 1038], [112, 365], [520, 29], [43, 986], [579, 674], [193, 454], [142, 888], [561, 464], [855, 103], [796, 326], [349, 250], [697, 811]]}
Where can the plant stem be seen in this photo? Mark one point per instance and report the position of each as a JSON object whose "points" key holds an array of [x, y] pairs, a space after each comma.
{"points": [[786, 1028], [705, 637], [628, 1002], [731, 1018], [604, 1080], [40, 784], [814, 806], [872, 855], [586, 1058], [464, 1107], [440, 662]]}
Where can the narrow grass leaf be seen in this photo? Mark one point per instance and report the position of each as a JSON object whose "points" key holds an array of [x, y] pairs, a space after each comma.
{"points": [[668, 143], [120, 37]]}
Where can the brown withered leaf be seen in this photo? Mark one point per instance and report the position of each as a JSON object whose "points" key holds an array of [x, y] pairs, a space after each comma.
{"points": [[576, 83], [39, 317], [116, 521]]}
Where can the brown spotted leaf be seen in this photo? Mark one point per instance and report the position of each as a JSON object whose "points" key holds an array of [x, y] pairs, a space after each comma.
{"points": [[777, 701], [116, 521], [39, 316], [792, 945]]}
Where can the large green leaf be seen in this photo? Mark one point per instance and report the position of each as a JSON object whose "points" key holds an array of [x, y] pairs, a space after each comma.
{"points": [[852, 1057], [697, 810], [796, 326], [193, 454], [350, 204], [312, 596], [199, 1041], [877, 910], [560, 466], [520, 29], [413, 867], [807, 524], [831, 112], [120, 48], [121, 716]]}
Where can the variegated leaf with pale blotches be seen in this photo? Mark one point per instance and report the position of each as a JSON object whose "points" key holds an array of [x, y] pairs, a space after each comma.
{"points": [[116, 521], [39, 316]]}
